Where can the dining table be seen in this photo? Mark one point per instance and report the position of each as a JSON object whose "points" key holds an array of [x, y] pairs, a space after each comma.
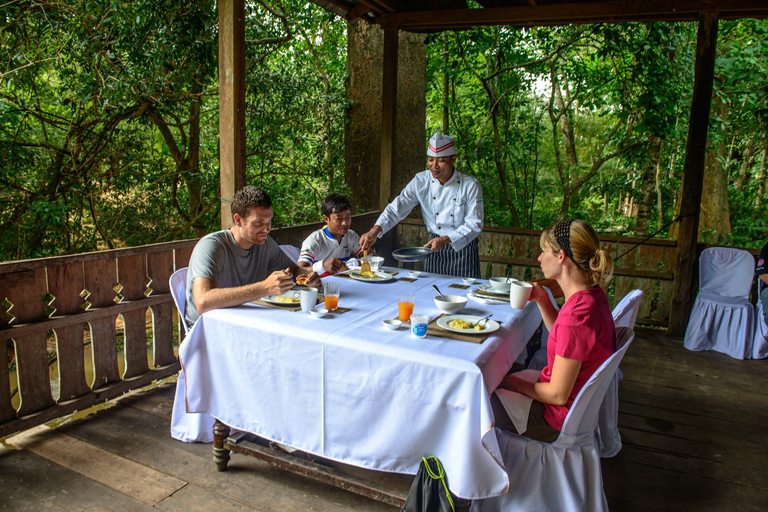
{"points": [[346, 388]]}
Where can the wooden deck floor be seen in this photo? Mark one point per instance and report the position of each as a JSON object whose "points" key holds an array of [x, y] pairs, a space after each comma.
{"points": [[693, 427]]}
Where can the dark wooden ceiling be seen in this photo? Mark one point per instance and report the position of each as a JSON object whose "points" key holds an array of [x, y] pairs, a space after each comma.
{"points": [[439, 15]]}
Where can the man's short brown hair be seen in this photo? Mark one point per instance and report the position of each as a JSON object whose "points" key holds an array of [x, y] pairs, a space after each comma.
{"points": [[249, 197]]}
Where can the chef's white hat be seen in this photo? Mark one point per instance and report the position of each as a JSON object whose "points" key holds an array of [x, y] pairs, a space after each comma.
{"points": [[441, 145]]}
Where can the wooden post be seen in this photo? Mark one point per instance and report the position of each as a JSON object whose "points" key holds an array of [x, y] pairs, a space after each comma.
{"points": [[388, 113], [693, 176], [231, 103]]}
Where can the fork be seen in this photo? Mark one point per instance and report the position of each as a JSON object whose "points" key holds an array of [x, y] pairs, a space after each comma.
{"points": [[484, 320]]}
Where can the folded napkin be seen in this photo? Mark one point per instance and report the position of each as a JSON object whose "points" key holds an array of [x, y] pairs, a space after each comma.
{"points": [[485, 299], [518, 405]]}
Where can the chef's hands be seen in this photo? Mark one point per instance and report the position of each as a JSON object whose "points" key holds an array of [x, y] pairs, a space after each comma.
{"points": [[369, 238], [334, 265], [438, 243]]}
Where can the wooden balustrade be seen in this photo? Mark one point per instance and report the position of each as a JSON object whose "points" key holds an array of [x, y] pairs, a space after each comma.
{"points": [[649, 267], [66, 301], [63, 303]]}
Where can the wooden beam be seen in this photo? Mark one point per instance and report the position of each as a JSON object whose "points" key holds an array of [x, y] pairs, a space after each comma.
{"points": [[388, 113], [231, 103], [693, 175], [573, 13]]}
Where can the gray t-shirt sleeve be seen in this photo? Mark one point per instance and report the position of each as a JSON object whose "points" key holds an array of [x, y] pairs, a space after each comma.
{"points": [[206, 258], [278, 260]]}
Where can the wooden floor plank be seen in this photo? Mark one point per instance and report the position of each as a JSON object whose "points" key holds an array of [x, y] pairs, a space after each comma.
{"points": [[130, 432], [30, 482], [135, 480]]}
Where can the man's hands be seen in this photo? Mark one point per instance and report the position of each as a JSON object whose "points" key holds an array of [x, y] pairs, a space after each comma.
{"points": [[438, 243], [334, 265], [369, 238], [278, 282]]}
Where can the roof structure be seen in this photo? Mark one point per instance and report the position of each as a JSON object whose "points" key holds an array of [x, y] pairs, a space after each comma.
{"points": [[440, 15]]}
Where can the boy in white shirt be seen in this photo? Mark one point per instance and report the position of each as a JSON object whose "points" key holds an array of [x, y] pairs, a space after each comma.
{"points": [[328, 250]]}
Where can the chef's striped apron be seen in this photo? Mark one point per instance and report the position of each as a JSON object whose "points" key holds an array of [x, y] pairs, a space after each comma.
{"points": [[464, 263]]}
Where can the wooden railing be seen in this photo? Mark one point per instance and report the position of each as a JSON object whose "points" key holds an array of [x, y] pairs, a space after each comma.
{"points": [[87, 306], [649, 267]]}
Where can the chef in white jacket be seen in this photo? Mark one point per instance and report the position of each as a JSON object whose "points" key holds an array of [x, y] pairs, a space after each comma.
{"points": [[452, 207]]}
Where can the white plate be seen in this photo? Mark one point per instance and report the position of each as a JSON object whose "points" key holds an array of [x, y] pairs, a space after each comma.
{"points": [[487, 288], [380, 277], [293, 294], [490, 326]]}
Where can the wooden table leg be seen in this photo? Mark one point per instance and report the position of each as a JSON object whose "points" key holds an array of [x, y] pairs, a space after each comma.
{"points": [[220, 454]]}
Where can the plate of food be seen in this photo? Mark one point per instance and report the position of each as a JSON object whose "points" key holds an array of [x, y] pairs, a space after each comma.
{"points": [[371, 277], [289, 298], [467, 324]]}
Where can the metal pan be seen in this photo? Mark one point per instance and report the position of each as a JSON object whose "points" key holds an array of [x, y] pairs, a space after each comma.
{"points": [[409, 254]]}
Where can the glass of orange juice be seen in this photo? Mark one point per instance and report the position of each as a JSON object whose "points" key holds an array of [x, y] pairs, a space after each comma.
{"points": [[405, 303], [331, 292]]}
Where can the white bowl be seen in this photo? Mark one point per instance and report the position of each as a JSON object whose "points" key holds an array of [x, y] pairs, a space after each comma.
{"points": [[501, 284], [318, 312], [415, 273], [392, 324], [469, 280], [452, 304]]}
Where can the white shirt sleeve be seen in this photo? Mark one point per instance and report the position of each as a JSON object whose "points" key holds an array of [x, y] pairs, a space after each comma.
{"points": [[399, 209]]}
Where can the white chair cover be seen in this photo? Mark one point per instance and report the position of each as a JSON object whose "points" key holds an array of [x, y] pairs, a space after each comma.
{"points": [[760, 343], [722, 318], [539, 360], [624, 315], [291, 251], [564, 475], [187, 427]]}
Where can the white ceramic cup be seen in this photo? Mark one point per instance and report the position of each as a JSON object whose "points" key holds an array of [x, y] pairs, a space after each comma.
{"points": [[308, 298], [519, 291], [376, 263], [419, 325]]}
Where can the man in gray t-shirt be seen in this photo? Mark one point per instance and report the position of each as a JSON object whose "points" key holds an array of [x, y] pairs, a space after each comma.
{"points": [[242, 263]]}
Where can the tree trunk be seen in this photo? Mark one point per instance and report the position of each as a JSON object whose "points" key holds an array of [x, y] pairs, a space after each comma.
{"points": [[566, 126], [647, 183], [747, 158], [761, 179], [715, 219]]}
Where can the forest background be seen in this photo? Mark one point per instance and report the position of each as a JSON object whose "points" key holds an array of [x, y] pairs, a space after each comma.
{"points": [[109, 121]]}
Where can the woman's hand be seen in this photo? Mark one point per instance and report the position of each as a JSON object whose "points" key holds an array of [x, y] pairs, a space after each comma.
{"points": [[538, 293]]}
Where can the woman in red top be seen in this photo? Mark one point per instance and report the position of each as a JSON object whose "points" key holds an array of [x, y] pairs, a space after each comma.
{"points": [[582, 333]]}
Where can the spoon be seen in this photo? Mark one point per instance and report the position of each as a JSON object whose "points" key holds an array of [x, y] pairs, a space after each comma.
{"points": [[509, 271], [438, 291]]}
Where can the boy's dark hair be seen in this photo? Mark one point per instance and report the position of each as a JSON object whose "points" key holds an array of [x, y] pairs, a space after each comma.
{"points": [[249, 197], [335, 203]]}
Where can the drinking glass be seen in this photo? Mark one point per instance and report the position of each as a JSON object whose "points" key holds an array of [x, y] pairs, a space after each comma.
{"points": [[331, 292], [405, 302]]}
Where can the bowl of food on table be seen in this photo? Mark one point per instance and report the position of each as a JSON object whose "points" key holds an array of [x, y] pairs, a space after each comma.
{"points": [[450, 303]]}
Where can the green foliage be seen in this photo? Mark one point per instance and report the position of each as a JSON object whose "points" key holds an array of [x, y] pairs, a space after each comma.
{"points": [[109, 119]]}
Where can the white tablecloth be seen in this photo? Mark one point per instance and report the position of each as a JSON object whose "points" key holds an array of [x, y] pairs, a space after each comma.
{"points": [[345, 388]]}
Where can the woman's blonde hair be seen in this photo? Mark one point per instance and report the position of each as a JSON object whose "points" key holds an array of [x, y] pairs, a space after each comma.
{"points": [[579, 242]]}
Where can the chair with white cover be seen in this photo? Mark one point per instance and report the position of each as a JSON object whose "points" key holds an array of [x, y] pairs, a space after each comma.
{"points": [[291, 251], [187, 427], [760, 343], [722, 318], [565, 474], [624, 315]]}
